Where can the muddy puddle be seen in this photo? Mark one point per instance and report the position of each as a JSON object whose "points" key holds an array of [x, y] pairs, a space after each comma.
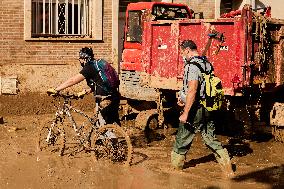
{"points": [[257, 163]]}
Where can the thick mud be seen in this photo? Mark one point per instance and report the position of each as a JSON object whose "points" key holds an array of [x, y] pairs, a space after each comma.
{"points": [[36, 103], [258, 163]]}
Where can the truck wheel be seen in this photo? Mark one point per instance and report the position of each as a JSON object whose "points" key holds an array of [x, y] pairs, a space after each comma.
{"points": [[277, 121], [152, 122], [148, 122], [147, 119]]}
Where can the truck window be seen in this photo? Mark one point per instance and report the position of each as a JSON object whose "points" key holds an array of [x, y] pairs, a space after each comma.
{"points": [[166, 12], [134, 31]]}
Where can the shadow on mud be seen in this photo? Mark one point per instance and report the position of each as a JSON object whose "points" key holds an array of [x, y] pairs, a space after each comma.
{"points": [[238, 148], [145, 138], [194, 162], [212, 187], [138, 157], [153, 135], [235, 147], [274, 176]]}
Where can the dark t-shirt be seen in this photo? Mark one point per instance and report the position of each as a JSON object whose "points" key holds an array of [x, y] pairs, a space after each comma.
{"points": [[94, 81]]}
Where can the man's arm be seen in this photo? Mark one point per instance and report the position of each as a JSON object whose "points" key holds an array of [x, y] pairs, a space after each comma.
{"points": [[190, 98], [71, 81]]}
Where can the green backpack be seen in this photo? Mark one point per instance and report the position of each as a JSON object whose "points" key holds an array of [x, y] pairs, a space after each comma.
{"points": [[214, 93]]}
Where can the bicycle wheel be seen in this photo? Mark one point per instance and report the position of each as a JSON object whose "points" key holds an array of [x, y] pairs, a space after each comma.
{"points": [[111, 143], [52, 139]]}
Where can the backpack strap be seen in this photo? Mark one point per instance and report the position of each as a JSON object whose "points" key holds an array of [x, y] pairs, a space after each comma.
{"points": [[97, 67], [100, 70], [198, 66], [95, 64], [204, 60]]}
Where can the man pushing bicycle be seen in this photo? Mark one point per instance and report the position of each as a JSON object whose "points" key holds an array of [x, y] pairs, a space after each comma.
{"points": [[102, 80]]}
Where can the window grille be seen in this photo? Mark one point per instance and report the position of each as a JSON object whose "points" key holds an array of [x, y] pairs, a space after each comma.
{"points": [[60, 17]]}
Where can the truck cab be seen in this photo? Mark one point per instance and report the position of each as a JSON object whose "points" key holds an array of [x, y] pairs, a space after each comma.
{"points": [[146, 48]]}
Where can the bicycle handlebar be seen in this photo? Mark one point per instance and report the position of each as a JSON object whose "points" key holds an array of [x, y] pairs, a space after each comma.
{"points": [[73, 96], [65, 96]]}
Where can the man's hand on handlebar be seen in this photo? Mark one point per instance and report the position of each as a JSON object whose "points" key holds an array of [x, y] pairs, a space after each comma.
{"points": [[52, 92], [82, 93]]}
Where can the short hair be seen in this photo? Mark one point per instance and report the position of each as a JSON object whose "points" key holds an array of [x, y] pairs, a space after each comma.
{"points": [[188, 44], [86, 53]]}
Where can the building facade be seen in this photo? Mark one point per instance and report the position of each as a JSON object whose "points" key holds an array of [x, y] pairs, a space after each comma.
{"points": [[40, 39]]}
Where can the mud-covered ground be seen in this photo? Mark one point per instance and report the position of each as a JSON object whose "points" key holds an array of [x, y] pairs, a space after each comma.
{"points": [[258, 163]]}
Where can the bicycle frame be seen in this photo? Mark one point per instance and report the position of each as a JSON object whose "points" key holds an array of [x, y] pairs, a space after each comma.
{"points": [[96, 122], [109, 141]]}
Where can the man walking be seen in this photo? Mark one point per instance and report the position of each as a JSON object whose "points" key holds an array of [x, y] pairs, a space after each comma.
{"points": [[195, 117]]}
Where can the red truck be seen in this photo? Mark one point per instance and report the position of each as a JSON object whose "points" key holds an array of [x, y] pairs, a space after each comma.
{"points": [[249, 60]]}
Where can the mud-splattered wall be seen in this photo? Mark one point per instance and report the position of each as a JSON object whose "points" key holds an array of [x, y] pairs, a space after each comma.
{"points": [[39, 64]]}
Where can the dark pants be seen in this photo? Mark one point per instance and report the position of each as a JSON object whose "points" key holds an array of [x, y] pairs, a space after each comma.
{"points": [[109, 109], [200, 120]]}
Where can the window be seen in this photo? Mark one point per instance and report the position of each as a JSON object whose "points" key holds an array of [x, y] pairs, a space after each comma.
{"points": [[226, 6], [61, 18], [134, 33], [162, 12]]}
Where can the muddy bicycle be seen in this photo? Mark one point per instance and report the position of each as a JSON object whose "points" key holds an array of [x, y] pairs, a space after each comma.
{"points": [[73, 131]]}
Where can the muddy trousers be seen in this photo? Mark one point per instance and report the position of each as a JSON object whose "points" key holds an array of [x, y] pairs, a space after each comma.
{"points": [[109, 109], [186, 132]]}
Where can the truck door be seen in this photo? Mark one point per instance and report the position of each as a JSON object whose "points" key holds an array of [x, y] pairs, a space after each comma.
{"points": [[164, 54]]}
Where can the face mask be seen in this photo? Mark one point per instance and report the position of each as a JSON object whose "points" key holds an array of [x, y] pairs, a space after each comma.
{"points": [[184, 59], [82, 62]]}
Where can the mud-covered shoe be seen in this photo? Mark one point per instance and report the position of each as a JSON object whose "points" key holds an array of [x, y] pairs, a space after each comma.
{"points": [[223, 158], [177, 160], [227, 171]]}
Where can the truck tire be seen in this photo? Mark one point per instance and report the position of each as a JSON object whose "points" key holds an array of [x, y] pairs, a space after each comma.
{"points": [[147, 119], [277, 121]]}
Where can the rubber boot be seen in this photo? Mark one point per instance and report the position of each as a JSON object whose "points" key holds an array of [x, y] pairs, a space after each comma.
{"points": [[222, 157], [177, 160]]}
